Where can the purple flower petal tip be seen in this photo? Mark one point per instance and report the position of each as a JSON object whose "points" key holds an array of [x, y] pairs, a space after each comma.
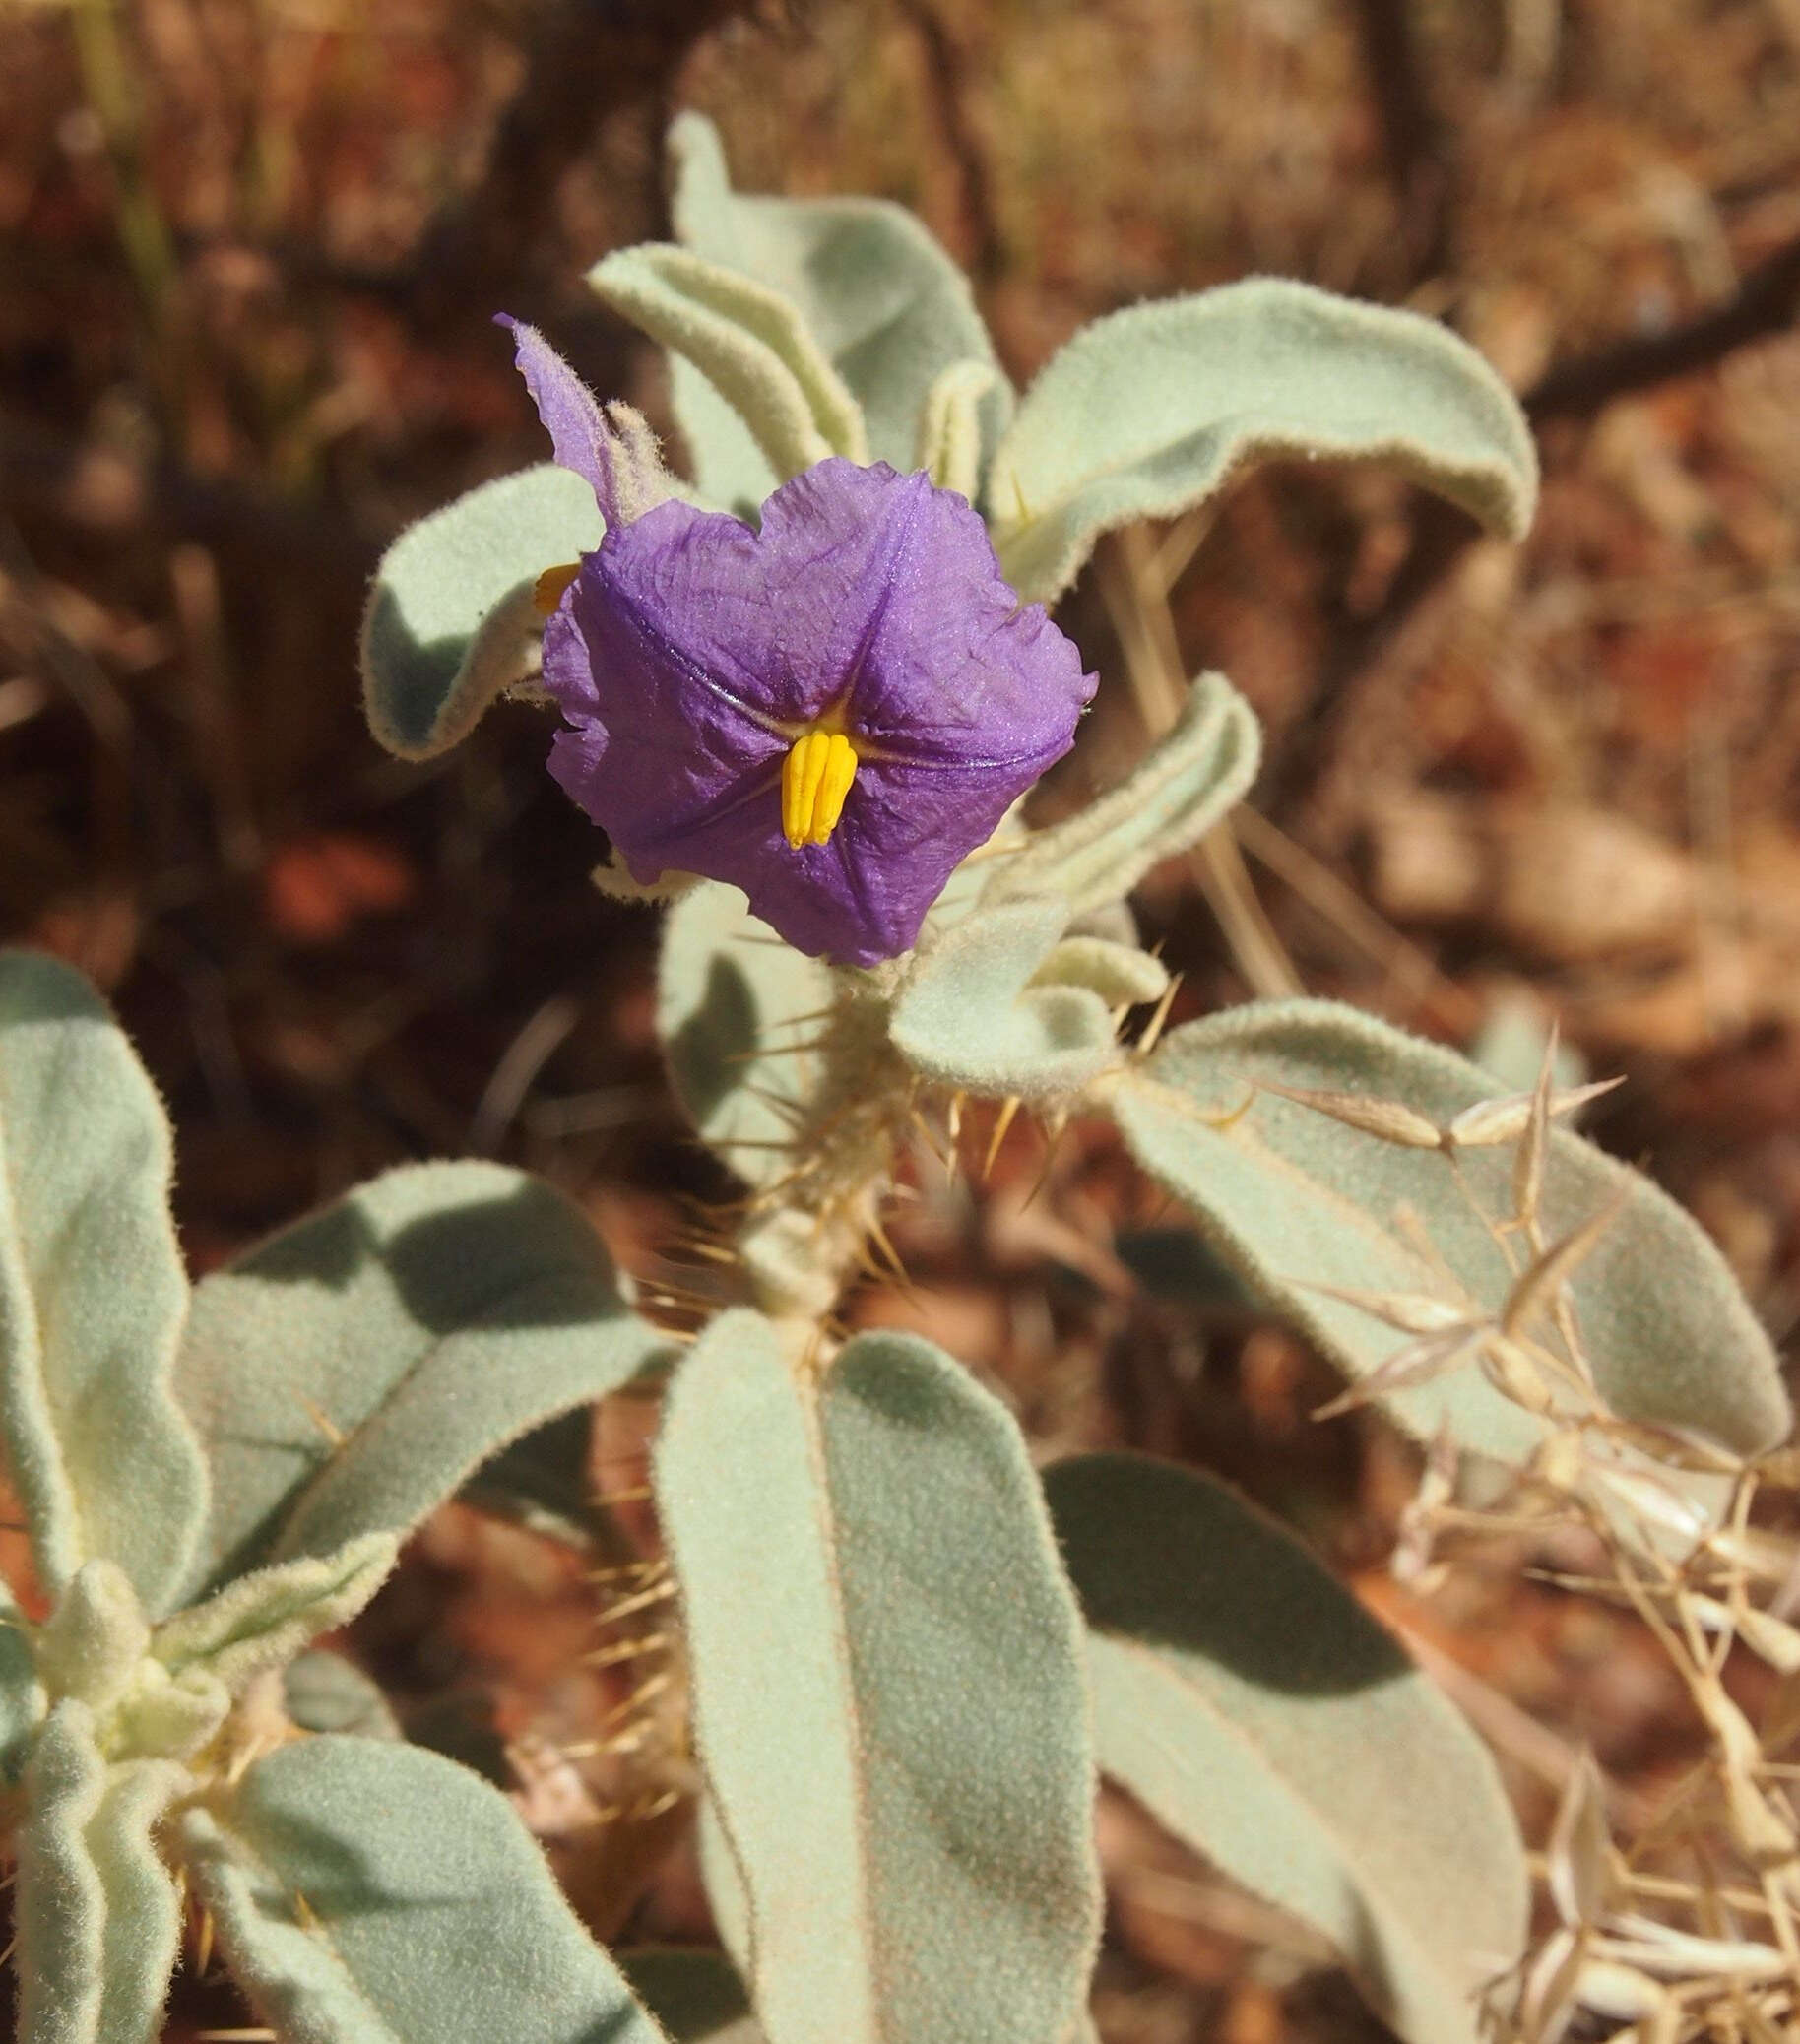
{"points": [[691, 655]]}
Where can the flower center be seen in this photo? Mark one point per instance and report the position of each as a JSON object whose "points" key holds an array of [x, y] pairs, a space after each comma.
{"points": [[815, 778]]}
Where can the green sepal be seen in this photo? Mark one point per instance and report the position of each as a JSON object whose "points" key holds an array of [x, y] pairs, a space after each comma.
{"points": [[353, 1372], [1147, 413], [367, 1891], [92, 1291], [1174, 794], [1247, 1701], [969, 1015], [1297, 1202], [886, 305], [735, 1010], [886, 1690], [451, 623]]}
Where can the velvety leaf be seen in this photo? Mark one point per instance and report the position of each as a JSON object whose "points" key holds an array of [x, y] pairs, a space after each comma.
{"points": [[969, 1018], [1295, 1199], [732, 1000], [1249, 1702], [1121, 975], [751, 342], [1168, 803], [949, 448], [370, 1892], [21, 1693], [886, 1691], [325, 1691], [884, 302], [450, 620], [1149, 411], [695, 1996], [347, 1376], [264, 1619], [97, 1916], [92, 1291]]}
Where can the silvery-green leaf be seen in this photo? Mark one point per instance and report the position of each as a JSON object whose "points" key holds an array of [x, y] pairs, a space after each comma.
{"points": [[949, 448], [349, 1373], [732, 1004], [1121, 975], [95, 1637], [264, 1619], [968, 1015], [370, 1892], [450, 620], [97, 1916], [751, 342], [1249, 1702], [21, 1693], [1149, 411], [1296, 1201], [1181, 787], [886, 1691], [696, 1995], [883, 301], [92, 1291], [325, 1691]]}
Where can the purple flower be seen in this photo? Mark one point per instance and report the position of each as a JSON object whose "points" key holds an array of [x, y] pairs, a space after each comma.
{"points": [[829, 713]]}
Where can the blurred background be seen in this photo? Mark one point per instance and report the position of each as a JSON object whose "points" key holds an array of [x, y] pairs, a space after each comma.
{"points": [[249, 255]]}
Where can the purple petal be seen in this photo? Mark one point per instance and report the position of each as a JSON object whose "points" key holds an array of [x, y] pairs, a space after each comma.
{"points": [[690, 653], [580, 437]]}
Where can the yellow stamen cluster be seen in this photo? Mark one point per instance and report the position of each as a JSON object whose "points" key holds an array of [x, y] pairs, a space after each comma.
{"points": [[548, 591], [815, 778]]}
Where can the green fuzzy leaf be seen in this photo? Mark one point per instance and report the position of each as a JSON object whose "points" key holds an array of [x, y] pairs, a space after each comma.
{"points": [[264, 1619], [886, 1691], [97, 1914], [950, 449], [1149, 411], [1249, 1702], [450, 620], [349, 1374], [21, 1693], [92, 1291], [371, 1892], [90, 1645], [325, 1691], [697, 1996], [1169, 801], [889, 309], [968, 1015], [1119, 974], [732, 999], [751, 342], [1297, 1200]]}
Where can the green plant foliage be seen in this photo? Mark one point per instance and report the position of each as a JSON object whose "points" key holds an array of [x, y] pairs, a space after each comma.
{"points": [[368, 1892], [735, 1008], [886, 1691], [324, 1692], [1171, 800], [752, 344], [969, 1015], [450, 619], [92, 1291], [21, 1693], [886, 305], [97, 1916], [949, 448], [264, 1619], [349, 1373], [1149, 411], [695, 1996], [1297, 1201], [1249, 1702]]}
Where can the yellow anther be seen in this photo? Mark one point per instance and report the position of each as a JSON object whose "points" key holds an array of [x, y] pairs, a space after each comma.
{"points": [[550, 586], [816, 779]]}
